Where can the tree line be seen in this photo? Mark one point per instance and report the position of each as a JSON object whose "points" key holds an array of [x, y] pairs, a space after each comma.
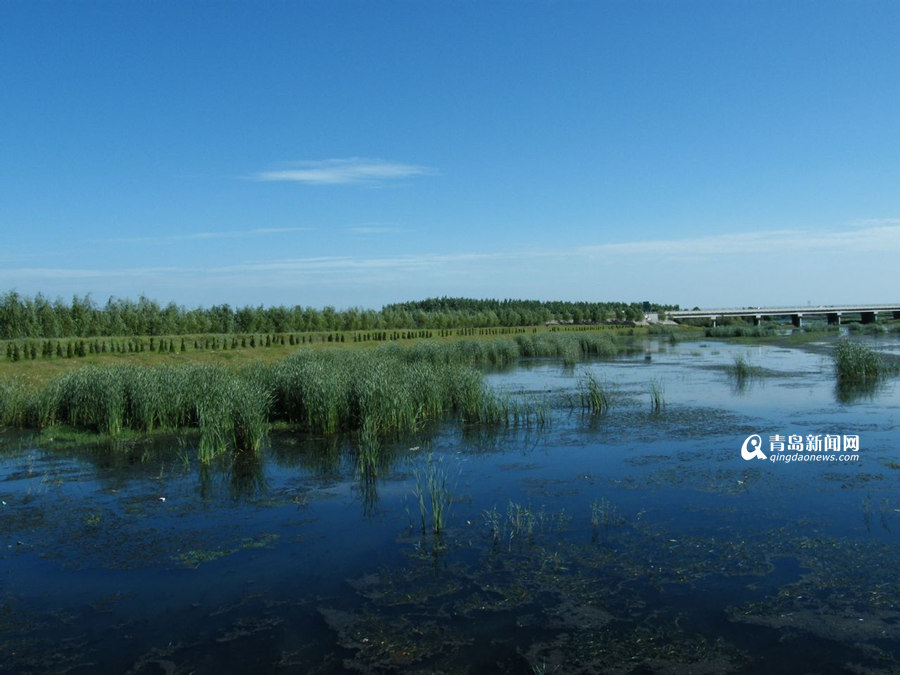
{"points": [[38, 317]]}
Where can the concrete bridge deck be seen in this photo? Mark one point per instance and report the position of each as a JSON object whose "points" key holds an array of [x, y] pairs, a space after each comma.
{"points": [[833, 313]]}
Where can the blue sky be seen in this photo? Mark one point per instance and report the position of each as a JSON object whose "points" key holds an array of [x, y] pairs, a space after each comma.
{"points": [[719, 153]]}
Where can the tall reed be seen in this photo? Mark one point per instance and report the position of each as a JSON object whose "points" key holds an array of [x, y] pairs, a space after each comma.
{"points": [[856, 363], [14, 404], [595, 394], [657, 395], [433, 495], [389, 390]]}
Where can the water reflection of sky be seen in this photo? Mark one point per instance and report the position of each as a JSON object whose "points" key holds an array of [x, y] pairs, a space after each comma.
{"points": [[793, 381]]}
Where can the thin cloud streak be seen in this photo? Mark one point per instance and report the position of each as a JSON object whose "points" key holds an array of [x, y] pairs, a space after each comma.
{"points": [[377, 230], [870, 239], [440, 270], [200, 236], [349, 171]]}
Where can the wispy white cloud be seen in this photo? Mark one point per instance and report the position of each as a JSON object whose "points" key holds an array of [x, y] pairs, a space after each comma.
{"points": [[376, 229], [874, 222], [882, 239], [201, 236], [353, 170], [679, 266], [877, 238]]}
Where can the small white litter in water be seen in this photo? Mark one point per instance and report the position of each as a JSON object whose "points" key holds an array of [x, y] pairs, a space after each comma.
{"points": [[162, 499]]}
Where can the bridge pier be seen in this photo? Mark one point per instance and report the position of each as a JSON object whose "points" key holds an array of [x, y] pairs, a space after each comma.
{"points": [[867, 317], [757, 319], [834, 319], [797, 320], [896, 314]]}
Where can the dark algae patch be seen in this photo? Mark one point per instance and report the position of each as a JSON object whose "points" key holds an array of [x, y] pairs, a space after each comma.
{"points": [[617, 538]]}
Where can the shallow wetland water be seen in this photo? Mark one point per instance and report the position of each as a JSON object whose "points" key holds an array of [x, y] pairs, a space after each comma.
{"points": [[638, 541]]}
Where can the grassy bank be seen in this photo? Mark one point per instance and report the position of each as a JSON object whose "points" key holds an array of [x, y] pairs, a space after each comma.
{"points": [[318, 392], [391, 389], [42, 360]]}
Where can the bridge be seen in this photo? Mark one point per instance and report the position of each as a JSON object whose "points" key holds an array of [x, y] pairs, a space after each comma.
{"points": [[832, 313]]}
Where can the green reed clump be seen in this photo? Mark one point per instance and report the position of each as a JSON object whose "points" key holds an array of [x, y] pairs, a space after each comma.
{"points": [[657, 395], [605, 514], [92, 397], [737, 330], [250, 402], [520, 523], [381, 391], [495, 352], [310, 390], [525, 345], [522, 411], [387, 395], [42, 406], [740, 368], [596, 396], [433, 495], [14, 404], [856, 363], [162, 397], [599, 345], [866, 328], [230, 408], [386, 391], [522, 520], [570, 347], [494, 522]]}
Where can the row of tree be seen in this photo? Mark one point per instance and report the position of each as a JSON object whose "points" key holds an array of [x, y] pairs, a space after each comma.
{"points": [[38, 317]]}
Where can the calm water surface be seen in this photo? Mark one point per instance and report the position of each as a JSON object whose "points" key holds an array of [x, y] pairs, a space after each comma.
{"points": [[638, 541]]}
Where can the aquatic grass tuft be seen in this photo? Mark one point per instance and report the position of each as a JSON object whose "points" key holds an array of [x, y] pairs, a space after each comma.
{"points": [[657, 395], [595, 394], [433, 495], [740, 367], [494, 522], [522, 521], [856, 363], [605, 514], [14, 404], [737, 330], [741, 371]]}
